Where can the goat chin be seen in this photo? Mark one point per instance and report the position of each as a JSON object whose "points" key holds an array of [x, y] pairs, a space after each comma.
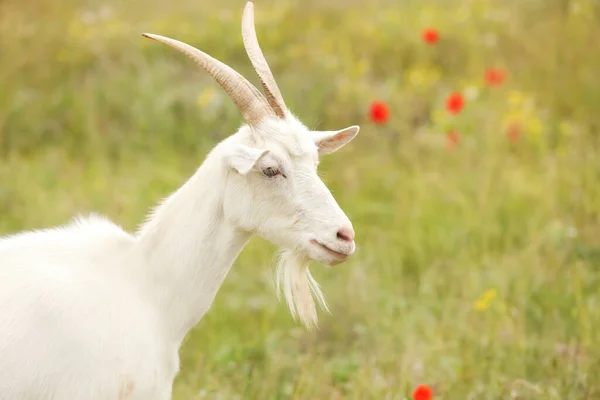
{"points": [[296, 285]]}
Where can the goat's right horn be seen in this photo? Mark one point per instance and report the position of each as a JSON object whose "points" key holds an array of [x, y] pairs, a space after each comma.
{"points": [[251, 103], [259, 62]]}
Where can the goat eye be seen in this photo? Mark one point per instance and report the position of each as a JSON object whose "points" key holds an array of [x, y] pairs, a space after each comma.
{"points": [[270, 172]]}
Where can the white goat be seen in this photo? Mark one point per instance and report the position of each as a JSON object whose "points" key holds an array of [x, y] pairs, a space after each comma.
{"points": [[90, 312]]}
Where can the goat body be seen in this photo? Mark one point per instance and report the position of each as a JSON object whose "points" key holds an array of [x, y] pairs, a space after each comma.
{"points": [[73, 325]]}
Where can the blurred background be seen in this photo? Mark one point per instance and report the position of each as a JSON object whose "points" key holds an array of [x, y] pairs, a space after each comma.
{"points": [[473, 185]]}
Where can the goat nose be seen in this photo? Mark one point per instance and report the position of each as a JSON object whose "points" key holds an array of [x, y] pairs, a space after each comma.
{"points": [[346, 234]]}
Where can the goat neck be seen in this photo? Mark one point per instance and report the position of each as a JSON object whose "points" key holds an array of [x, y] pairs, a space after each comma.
{"points": [[189, 248]]}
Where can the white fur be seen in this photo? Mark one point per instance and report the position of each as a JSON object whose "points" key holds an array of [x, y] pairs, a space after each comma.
{"points": [[297, 286], [88, 311]]}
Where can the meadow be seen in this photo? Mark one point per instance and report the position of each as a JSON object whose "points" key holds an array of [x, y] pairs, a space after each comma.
{"points": [[478, 224]]}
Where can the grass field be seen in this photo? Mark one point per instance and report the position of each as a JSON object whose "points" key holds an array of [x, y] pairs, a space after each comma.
{"points": [[478, 265]]}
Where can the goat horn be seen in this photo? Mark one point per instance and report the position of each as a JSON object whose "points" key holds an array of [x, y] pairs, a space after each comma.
{"points": [[259, 62], [251, 103]]}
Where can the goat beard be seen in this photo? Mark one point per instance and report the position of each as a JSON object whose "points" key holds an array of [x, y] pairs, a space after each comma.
{"points": [[296, 285]]}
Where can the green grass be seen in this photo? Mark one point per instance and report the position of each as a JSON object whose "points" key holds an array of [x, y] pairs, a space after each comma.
{"points": [[96, 118]]}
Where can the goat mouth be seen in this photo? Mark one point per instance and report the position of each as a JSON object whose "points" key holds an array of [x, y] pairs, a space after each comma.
{"points": [[334, 253]]}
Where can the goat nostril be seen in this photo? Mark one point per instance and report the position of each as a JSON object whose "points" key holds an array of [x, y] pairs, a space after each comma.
{"points": [[346, 235]]}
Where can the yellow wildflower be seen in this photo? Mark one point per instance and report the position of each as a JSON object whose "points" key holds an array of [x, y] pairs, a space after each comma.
{"points": [[484, 301], [423, 76], [415, 76], [516, 99], [534, 125], [206, 96]]}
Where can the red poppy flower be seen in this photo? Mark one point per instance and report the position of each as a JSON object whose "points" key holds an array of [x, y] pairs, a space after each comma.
{"points": [[494, 77], [513, 132], [430, 36], [422, 392], [452, 139], [380, 112], [455, 103]]}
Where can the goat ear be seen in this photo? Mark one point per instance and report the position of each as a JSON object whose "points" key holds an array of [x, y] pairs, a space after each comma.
{"points": [[243, 158], [330, 141]]}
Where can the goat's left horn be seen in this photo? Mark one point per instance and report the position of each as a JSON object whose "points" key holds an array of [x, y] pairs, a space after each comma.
{"points": [[259, 62]]}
